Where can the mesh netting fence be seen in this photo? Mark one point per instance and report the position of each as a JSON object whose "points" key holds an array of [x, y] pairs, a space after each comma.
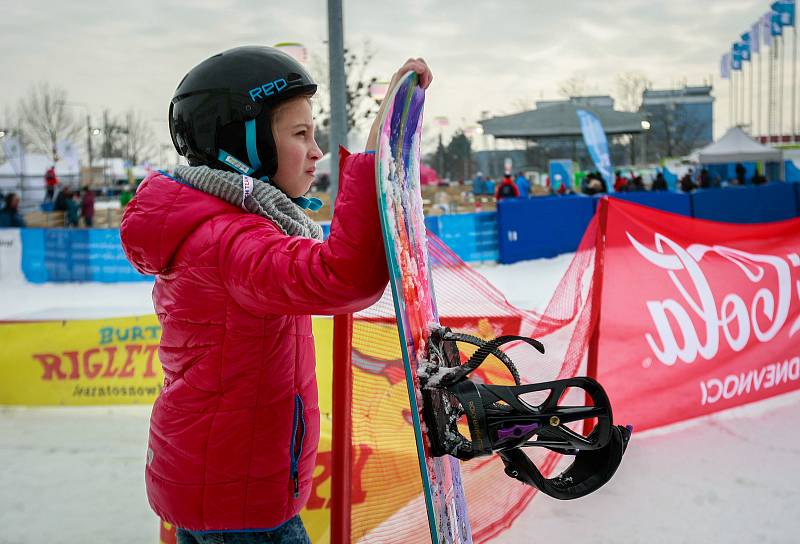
{"points": [[387, 505]]}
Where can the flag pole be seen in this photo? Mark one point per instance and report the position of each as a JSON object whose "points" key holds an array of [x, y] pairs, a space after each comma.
{"points": [[794, 82], [758, 114], [780, 90]]}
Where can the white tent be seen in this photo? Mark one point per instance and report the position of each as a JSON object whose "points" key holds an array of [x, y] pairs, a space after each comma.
{"points": [[737, 146]]}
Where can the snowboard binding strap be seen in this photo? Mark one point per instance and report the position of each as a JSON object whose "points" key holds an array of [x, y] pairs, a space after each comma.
{"points": [[503, 419]]}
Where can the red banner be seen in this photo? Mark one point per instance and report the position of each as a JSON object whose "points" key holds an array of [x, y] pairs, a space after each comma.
{"points": [[695, 316]]}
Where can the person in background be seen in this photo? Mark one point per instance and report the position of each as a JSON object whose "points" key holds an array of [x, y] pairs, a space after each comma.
{"points": [[125, 196], [593, 184], [636, 184], [741, 171], [523, 185], [51, 182], [620, 182], [478, 184], [9, 215], [62, 198], [87, 206], [705, 178], [506, 189], [660, 183], [758, 178], [687, 183], [73, 209]]}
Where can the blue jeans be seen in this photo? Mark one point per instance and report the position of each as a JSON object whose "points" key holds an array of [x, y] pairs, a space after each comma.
{"points": [[291, 532]]}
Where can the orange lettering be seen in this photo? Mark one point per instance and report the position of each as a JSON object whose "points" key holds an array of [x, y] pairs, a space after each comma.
{"points": [[51, 364], [91, 370], [151, 351], [73, 358], [111, 371], [127, 369]]}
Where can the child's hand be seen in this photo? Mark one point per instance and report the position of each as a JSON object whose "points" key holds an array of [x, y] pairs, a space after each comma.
{"points": [[424, 77]]}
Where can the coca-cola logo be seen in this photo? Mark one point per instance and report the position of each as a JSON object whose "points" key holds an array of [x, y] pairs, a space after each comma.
{"points": [[734, 318]]}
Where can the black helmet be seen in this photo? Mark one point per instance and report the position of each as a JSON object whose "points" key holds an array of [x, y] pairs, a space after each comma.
{"points": [[220, 114]]}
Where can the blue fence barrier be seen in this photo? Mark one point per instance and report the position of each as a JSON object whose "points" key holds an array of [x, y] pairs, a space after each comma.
{"points": [[471, 236], [521, 229], [679, 203], [70, 255], [749, 204], [531, 228]]}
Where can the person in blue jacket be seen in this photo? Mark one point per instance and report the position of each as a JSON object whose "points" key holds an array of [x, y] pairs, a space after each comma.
{"points": [[9, 215], [523, 185]]}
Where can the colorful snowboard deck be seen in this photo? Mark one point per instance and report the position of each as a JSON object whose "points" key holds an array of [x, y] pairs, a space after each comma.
{"points": [[402, 222]]}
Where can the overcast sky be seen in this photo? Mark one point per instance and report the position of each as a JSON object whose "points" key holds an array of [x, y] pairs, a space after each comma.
{"points": [[490, 55]]}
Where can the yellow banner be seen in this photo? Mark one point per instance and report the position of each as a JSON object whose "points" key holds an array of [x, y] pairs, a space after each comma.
{"points": [[115, 361]]}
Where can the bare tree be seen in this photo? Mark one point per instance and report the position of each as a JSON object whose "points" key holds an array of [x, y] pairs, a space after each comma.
{"points": [[520, 105], [141, 144], [630, 86], [574, 86], [361, 106], [46, 119]]}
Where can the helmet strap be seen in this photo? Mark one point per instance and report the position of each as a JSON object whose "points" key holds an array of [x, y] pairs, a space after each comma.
{"points": [[231, 161], [312, 204], [250, 142]]}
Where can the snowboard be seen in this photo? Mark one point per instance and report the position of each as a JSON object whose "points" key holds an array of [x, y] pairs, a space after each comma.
{"points": [[397, 166]]}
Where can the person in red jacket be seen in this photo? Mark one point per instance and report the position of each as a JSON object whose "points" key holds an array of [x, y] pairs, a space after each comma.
{"points": [[239, 269], [506, 189], [51, 182]]}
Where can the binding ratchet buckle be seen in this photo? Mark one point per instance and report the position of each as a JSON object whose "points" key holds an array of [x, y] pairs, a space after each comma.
{"points": [[504, 419]]}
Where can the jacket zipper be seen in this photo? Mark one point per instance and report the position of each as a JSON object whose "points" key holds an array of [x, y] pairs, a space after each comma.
{"points": [[298, 427]]}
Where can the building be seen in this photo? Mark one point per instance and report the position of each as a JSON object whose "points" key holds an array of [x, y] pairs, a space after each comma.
{"points": [[553, 131], [681, 120]]}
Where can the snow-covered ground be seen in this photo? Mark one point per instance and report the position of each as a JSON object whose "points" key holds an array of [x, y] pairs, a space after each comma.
{"points": [[72, 475]]}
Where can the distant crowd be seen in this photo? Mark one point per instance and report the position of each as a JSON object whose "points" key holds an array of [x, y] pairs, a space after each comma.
{"points": [[594, 183]]}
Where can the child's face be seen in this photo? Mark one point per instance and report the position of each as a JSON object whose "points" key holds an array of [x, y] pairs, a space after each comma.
{"points": [[298, 153]]}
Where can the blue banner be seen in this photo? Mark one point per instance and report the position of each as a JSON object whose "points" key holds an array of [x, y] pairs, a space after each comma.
{"points": [[776, 28], [744, 47], [595, 139], [560, 173], [785, 10], [736, 57]]}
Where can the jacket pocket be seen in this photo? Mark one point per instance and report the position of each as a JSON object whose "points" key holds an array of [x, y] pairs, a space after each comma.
{"points": [[298, 434]]}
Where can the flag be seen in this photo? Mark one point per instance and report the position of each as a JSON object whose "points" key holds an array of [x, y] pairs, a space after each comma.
{"points": [[755, 37], [736, 57], [725, 66], [766, 28], [744, 47], [776, 28], [596, 142], [785, 10], [13, 150]]}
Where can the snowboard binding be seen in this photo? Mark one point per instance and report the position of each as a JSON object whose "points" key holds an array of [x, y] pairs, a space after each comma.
{"points": [[504, 419]]}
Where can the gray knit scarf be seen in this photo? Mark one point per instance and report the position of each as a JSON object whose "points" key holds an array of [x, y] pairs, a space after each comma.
{"points": [[265, 200]]}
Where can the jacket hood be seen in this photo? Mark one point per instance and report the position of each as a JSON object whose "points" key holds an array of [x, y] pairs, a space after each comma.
{"points": [[161, 216]]}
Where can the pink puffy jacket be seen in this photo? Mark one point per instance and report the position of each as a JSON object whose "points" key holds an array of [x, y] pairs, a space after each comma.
{"points": [[234, 433]]}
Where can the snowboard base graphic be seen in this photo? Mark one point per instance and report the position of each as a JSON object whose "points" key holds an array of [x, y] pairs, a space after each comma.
{"points": [[402, 223]]}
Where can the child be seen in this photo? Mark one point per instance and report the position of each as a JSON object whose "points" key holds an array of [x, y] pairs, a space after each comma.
{"points": [[239, 270]]}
